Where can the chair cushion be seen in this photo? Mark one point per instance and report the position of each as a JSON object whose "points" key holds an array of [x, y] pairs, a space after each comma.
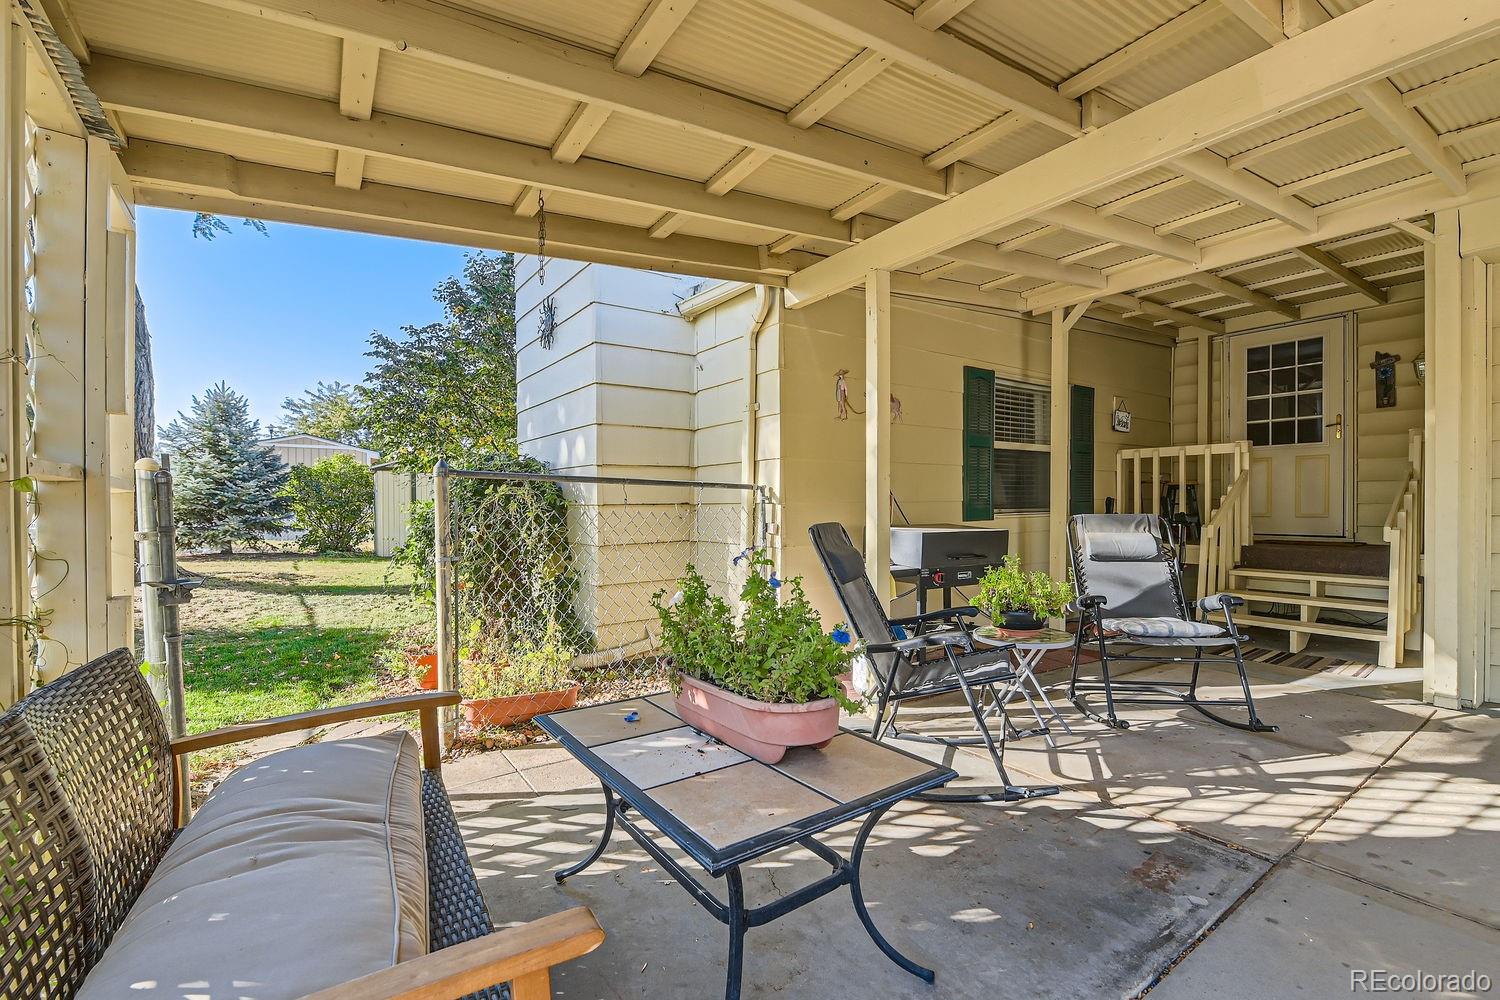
{"points": [[1163, 628], [1123, 546], [304, 869]]}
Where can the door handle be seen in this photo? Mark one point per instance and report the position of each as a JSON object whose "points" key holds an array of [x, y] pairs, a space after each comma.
{"points": [[1337, 423]]}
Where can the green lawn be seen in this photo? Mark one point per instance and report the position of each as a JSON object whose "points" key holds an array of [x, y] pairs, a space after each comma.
{"points": [[275, 633]]}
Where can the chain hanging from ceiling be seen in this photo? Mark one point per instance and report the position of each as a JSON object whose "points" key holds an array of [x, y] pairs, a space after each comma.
{"points": [[547, 321]]}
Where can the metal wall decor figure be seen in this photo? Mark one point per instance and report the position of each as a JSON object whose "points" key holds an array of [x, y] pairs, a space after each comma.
{"points": [[547, 314]]}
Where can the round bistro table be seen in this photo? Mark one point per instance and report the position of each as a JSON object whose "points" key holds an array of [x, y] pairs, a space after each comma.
{"points": [[1029, 648]]}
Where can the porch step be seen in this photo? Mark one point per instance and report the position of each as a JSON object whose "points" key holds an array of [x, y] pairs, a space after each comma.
{"points": [[1304, 601], [1302, 576], [1373, 633]]}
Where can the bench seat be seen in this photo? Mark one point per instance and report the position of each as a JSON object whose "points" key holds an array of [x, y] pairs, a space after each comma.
{"points": [[321, 844]]}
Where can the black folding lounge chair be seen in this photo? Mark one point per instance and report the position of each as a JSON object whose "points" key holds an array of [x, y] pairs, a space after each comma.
{"points": [[922, 657], [1126, 571]]}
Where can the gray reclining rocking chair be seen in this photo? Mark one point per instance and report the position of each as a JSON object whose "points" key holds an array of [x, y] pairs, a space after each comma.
{"points": [[1130, 594], [903, 658]]}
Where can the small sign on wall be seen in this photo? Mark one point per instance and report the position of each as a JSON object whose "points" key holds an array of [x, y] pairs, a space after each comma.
{"points": [[1120, 418]]}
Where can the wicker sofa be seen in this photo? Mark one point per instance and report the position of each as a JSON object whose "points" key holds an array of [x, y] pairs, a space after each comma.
{"points": [[90, 807]]}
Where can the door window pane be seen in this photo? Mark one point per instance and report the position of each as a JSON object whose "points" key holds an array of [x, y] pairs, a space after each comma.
{"points": [[1284, 392], [1310, 431]]}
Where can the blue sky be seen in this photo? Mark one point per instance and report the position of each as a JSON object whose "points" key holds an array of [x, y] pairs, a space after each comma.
{"points": [[273, 315]]}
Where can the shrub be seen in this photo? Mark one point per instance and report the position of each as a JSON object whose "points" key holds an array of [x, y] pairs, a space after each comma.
{"points": [[528, 668], [333, 503], [777, 652], [1008, 587]]}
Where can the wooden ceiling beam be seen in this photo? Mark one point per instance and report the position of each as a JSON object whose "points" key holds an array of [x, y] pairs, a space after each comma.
{"points": [[1383, 102], [141, 88], [937, 55], [1166, 36], [1369, 42], [359, 63], [193, 179], [1224, 286], [996, 258], [1325, 260], [430, 31], [652, 30], [933, 14], [838, 88], [1148, 308], [1079, 218]]}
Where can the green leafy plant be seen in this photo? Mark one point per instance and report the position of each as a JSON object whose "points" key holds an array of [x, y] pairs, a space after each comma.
{"points": [[777, 652], [528, 668], [1008, 587], [333, 503]]}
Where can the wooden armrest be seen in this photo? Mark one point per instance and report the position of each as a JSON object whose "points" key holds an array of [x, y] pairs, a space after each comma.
{"points": [[428, 702], [520, 956]]}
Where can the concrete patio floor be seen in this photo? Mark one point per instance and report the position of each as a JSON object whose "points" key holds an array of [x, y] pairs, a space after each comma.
{"points": [[1181, 859]]}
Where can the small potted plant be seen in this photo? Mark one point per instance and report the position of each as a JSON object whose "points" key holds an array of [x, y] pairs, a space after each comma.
{"points": [[532, 678], [1019, 601], [764, 682]]}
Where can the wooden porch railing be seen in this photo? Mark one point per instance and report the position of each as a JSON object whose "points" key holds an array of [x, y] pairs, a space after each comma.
{"points": [[1403, 533], [1140, 474], [1184, 464], [1225, 535]]}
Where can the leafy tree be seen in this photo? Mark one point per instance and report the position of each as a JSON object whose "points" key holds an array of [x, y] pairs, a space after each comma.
{"points": [[332, 410], [333, 503], [228, 488], [448, 389]]}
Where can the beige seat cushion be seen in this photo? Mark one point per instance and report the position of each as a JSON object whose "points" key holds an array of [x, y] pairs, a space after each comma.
{"points": [[304, 869]]}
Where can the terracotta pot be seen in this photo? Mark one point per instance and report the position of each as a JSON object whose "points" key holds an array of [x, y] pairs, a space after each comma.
{"points": [[507, 711], [760, 729], [1019, 621], [427, 678]]}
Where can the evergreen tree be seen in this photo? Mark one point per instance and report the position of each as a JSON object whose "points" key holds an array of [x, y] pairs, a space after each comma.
{"points": [[228, 488]]}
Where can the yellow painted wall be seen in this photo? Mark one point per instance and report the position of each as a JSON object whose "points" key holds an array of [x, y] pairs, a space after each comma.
{"points": [[822, 458], [1379, 435]]}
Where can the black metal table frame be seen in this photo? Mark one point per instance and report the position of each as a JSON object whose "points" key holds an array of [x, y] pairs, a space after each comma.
{"points": [[619, 791], [735, 914]]}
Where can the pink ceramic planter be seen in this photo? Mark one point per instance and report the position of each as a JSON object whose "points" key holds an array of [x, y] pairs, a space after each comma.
{"points": [[758, 728]]}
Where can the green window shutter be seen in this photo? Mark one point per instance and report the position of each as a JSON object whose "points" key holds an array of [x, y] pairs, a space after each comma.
{"points": [[979, 444], [1081, 451]]}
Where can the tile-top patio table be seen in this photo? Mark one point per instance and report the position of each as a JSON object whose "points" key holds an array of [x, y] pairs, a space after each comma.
{"points": [[725, 809]]}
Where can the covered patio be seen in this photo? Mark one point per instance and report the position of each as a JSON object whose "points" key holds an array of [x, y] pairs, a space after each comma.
{"points": [[1179, 859], [1098, 194]]}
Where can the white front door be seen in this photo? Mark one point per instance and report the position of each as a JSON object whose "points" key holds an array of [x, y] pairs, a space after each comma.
{"points": [[1288, 393]]}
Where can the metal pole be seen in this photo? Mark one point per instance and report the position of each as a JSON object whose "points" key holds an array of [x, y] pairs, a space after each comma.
{"points": [[162, 592], [171, 597], [149, 538], [442, 590]]}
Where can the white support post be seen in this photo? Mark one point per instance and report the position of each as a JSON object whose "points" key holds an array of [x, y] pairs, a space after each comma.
{"points": [[1205, 388], [15, 591], [878, 432], [1059, 411], [1456, 432]]}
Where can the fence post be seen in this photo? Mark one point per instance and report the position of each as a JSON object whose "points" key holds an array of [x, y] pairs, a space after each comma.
{"points": [[149, 537], [442, 595], [163, 591]]}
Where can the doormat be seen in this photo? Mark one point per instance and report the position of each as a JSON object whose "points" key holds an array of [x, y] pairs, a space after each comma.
{"points": [[1309, 661]]}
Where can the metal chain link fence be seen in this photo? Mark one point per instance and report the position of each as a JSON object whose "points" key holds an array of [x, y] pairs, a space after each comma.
{"points": [[545, 583]]}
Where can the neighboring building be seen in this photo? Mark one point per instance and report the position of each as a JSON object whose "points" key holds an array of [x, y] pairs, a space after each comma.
{"points": [[395, 492], [309, 449]]}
